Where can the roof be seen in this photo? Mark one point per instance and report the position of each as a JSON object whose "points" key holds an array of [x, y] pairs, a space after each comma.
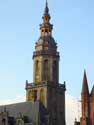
{"points": [[48, 39], [32, 110]]}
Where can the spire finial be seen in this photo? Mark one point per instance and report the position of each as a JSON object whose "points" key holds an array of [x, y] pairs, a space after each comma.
{"points": [[46, 3], [46, 16], [46, 8]]}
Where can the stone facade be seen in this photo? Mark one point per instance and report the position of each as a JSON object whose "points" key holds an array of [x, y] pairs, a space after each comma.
{"points": [[53, 99]]}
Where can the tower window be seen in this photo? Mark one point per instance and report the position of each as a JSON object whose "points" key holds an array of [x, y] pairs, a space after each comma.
{"points": [[46, 31], [46, 69], [37, 65], [55, 70], [49, 30], [35, 95], [42, 96], [37, 68]]}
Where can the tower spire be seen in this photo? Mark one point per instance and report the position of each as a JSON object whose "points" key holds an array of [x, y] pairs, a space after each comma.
{"points": [[46, 13], [46, 3], [85, 89]]}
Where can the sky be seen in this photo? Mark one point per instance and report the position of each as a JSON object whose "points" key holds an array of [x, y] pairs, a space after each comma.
{"points": [[73, 22]]}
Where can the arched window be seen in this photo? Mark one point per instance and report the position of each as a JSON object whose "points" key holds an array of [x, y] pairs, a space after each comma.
{"points": [[42, 100], [35, 95], [46, 75], [37, 68], [46, 30], [55, 70]]}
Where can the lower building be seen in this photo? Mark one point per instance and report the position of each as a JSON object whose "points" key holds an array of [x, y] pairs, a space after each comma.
{"points": [[26, 113]]}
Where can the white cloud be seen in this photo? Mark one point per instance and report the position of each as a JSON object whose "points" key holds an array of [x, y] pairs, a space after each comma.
{"points": [[72, 107], [10, 101]]}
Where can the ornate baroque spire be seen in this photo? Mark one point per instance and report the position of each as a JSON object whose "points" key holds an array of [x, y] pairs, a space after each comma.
{"points": [[46, 43]]}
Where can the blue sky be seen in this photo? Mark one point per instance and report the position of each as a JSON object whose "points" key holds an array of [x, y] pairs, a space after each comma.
{"points": [[19, 29]]}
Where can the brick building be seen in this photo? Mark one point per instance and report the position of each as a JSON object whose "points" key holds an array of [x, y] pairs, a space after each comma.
{"points": [[87, 103]]}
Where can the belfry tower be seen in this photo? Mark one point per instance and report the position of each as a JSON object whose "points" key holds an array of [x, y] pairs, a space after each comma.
{"points": [[45, 87]]}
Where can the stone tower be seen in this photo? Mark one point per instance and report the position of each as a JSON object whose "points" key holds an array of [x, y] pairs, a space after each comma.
{"points": [[45, 87], [87, 98]]}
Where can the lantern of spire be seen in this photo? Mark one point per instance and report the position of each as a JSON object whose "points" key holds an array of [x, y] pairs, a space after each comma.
{"points": [[46, 27]]}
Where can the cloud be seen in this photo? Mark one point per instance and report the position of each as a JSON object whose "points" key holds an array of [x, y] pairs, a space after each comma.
{"points": [[11, 101], [72, 107]]}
